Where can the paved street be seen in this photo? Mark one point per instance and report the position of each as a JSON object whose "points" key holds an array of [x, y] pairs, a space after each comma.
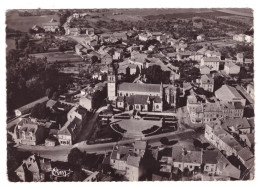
{"points": [[61, 152], [86, 130]]}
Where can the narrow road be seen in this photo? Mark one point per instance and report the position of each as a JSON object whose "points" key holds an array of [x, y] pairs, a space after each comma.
{"points": [[89, 126], [59, 153]]}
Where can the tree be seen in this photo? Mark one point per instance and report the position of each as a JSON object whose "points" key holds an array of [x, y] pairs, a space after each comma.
{"points": [[76, 157], [40, 111]]}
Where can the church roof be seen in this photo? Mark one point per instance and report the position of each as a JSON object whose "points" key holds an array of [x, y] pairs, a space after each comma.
{"points": [[139, 87]]}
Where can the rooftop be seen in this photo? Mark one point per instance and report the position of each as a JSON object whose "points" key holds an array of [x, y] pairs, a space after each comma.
{"points": [[154, 88], [227, 93]]}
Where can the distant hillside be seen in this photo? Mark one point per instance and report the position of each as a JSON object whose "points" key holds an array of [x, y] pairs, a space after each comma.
{"points": [[238, 11]]}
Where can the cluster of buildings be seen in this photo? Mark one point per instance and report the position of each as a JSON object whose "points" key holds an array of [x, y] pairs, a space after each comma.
{"points": [[129, 159], [243, 38], [177, 161], [228, 104], [222, 136], [140, 96]]}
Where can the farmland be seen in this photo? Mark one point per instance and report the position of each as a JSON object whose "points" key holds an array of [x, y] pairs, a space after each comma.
{"points": [[24, 23]]}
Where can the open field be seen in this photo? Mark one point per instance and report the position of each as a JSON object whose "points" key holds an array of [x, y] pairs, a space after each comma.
{"points": [[24, 23], [238, 11]]}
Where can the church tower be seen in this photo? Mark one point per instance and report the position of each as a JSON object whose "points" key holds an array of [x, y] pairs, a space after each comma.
{"points": [[111, 83]]}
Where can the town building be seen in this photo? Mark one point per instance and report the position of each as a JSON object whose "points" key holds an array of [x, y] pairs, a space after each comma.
{"points": [[52, 26], [128, 159], [231, 68], [30, 132], [240, 58], [229, 94], [211, 62], [34, 169], [250, 90], [204, 70], [77, 117], [207, 83], [201, 37]]}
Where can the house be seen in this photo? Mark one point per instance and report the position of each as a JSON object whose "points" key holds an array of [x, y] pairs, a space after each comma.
{"points": [[209, 53], [211, 62], [118, 54], [52, 26], [77, 117], [250, 90], [209, 162], [248, 139], [106, 59], [226, 169], [27, 108], [183, 55], [201, 37], [133, 68], [30, 132], [51, 141], [204, 70], [90, 31], [246, 157], [86, 102], [231, 68], [237, 125], [196, 56], [229, 94], [239, 37], [221, 139], [143, 37], [128, 159], [231, 110], [34, 169], [186, 160], [248, 61], [249, 39], [151, 48], [207, 83], [171, 41], [240, 58], [195, 109], [73, 31]]}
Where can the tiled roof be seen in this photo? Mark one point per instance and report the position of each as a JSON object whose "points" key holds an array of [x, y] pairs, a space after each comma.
{"points": [[209, 157], [193, 157], [133, 161], [245, 154], [139, 87], [226, 168], [227, 93], [206, 79], [211, 59]]}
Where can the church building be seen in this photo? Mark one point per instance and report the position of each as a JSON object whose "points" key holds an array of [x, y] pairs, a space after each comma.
{"points": [[141, 96]]}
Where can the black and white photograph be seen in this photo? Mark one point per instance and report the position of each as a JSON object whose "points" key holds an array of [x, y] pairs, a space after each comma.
{"points": [[129, 94]]}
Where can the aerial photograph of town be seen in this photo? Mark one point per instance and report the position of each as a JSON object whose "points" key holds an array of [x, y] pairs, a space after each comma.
{"points": [[101, 95]]}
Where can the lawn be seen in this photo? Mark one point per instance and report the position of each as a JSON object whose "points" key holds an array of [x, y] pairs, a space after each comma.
{"points": [[134, 126], [24, 23]]}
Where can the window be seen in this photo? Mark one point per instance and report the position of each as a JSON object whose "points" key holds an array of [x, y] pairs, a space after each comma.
{"points": [[157, 106], [120, 94], [126, 94]]}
